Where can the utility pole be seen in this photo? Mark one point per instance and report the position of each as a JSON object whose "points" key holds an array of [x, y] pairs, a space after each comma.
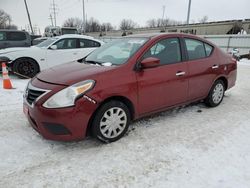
{"points": [[83, 17], [189, 10], [32, 32], [54, 11], [51, 19], [163, 14]]}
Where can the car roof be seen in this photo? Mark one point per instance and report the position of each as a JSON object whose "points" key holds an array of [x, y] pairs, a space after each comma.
{"points": [[159, 35], [77, 36], [153, 35], [12, 30]]}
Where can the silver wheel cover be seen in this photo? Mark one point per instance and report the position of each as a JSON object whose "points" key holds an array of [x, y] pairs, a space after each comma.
{"points": [[218, 93], [113, 122]]}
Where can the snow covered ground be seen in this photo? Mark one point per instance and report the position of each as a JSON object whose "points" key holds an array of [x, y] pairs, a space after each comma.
{"points": [[193, 146]]}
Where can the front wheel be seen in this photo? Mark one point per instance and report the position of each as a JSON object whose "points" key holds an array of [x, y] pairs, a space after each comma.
{"points": [[25, 68], [216, 94], [111, 121]]}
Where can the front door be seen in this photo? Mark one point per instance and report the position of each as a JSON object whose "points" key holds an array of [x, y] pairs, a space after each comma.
{"points": [[167, 84], [65, 52]]}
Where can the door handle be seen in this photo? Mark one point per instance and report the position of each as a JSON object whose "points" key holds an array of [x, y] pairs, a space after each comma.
{"points": [[180, 73], [215, 66], [75, 53]]}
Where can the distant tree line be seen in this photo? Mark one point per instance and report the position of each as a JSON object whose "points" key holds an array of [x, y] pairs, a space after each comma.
{"points": [[5, 21], [93, 25]]}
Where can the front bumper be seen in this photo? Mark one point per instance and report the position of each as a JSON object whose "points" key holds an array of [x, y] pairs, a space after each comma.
{"points": [[64, 124]]}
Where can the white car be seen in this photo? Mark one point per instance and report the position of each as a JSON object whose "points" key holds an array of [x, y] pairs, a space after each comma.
{"points": [[28, 61]]}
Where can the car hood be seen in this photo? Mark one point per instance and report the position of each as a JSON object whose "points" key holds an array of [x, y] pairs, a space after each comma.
{"points": [[18, 49], [71, 73]]}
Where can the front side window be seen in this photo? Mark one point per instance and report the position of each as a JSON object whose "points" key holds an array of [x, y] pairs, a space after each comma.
{"points": [[2, 36], [195, 49], [85, 43], [66, 44], [47, 42], [167, 50], [16, 36], [117, 52]]}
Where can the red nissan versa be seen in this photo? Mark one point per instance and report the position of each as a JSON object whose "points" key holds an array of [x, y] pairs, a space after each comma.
{"points": [[124, 80]]}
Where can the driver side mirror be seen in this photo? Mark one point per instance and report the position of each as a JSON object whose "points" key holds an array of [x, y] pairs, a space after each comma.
{"points": [[53, 47], [150, 62]]}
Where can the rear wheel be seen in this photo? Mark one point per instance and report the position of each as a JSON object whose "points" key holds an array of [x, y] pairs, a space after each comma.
{"points": [[25, 68], [111, 121], [216, 94]]}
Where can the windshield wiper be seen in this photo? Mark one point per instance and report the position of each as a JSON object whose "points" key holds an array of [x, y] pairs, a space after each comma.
{"points": [[94, 62]]}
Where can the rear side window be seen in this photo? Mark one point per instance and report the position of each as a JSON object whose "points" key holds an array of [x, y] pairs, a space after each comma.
{"points": [[195, 49], [2, 36], [167, 50], [16, 36], [85, 43], [208, 49], [66, 44]]}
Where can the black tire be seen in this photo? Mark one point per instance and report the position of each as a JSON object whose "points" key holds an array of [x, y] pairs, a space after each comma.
{"points": [[25, 68], [212, 100], [99, 121]]}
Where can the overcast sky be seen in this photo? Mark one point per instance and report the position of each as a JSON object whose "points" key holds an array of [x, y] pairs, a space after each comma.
{"points": [[115, 10]]}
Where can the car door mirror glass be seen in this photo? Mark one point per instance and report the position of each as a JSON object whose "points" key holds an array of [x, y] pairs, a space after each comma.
{"points": [[150, 62], [53, 47]]}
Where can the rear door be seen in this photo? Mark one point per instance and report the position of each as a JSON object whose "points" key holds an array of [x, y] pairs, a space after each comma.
{"points": [[202, 67], [17, 39], [3, 39], [166, 85]]}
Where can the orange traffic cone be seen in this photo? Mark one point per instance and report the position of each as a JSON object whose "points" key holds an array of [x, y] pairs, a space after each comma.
{"points": [[6, 80]]}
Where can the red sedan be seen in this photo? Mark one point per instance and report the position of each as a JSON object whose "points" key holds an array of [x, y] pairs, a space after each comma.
{"points": [[125, 80]]}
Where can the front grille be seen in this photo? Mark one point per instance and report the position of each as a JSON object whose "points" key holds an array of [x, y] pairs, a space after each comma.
{"points": [[33, 95]]}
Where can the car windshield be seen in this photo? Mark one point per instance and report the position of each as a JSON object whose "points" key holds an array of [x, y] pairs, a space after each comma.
{"points": [[46, 43], [116, 52]]}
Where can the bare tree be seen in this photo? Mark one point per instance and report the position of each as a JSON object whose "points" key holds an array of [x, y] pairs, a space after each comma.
{"points": [[106, 27], [5, 20], [152, 23], [155, 23], [93, 25], [127, 24], [73, 22], [204, 19]]}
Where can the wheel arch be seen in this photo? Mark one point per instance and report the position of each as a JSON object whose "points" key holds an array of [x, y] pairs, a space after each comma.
{"points": [[122, 99], [25, 57], [224, 79]]}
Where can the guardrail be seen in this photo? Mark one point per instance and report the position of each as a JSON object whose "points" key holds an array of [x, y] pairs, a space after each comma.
{"points": [[230, 42]]}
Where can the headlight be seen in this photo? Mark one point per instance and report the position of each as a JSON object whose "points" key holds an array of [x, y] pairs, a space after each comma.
{"points": [[67, 96]]}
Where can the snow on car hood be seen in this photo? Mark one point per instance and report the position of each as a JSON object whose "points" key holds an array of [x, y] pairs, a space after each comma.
{"points": [[71, 73]]}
